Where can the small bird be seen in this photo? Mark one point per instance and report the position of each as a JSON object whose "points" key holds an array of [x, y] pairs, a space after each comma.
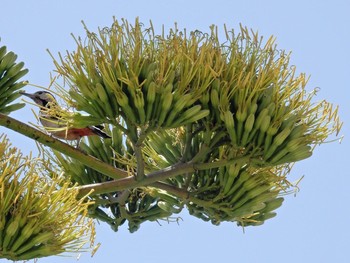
{"points": [[50, 119]]}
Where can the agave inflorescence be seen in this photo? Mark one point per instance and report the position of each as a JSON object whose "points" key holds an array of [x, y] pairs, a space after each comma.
{"points": [[236, 112], [217, 124], [40, 214]]}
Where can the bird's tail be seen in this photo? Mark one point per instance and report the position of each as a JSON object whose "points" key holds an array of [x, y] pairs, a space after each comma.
{"points": [[98, 131]]}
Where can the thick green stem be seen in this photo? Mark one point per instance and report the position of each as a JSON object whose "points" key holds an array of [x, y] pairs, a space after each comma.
{"points": [[131, 182], [182, 193], [139, 156], [64, 148], [140, 172], [151, 179], [188, 142], [123, 180]]}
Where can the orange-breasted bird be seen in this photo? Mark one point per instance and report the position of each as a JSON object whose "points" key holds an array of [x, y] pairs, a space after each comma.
{"points": [[52, 122]]}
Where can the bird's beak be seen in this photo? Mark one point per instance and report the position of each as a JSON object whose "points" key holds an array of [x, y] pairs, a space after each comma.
{"points": [[29, 95]]}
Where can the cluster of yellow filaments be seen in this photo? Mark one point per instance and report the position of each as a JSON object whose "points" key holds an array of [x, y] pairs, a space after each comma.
{"points": [[40, 214]]}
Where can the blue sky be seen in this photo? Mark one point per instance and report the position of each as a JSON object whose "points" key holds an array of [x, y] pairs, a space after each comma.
{"points": [[311, 227]]}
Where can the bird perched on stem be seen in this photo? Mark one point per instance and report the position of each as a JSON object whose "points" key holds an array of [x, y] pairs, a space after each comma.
{"points": [[51, 117]]}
